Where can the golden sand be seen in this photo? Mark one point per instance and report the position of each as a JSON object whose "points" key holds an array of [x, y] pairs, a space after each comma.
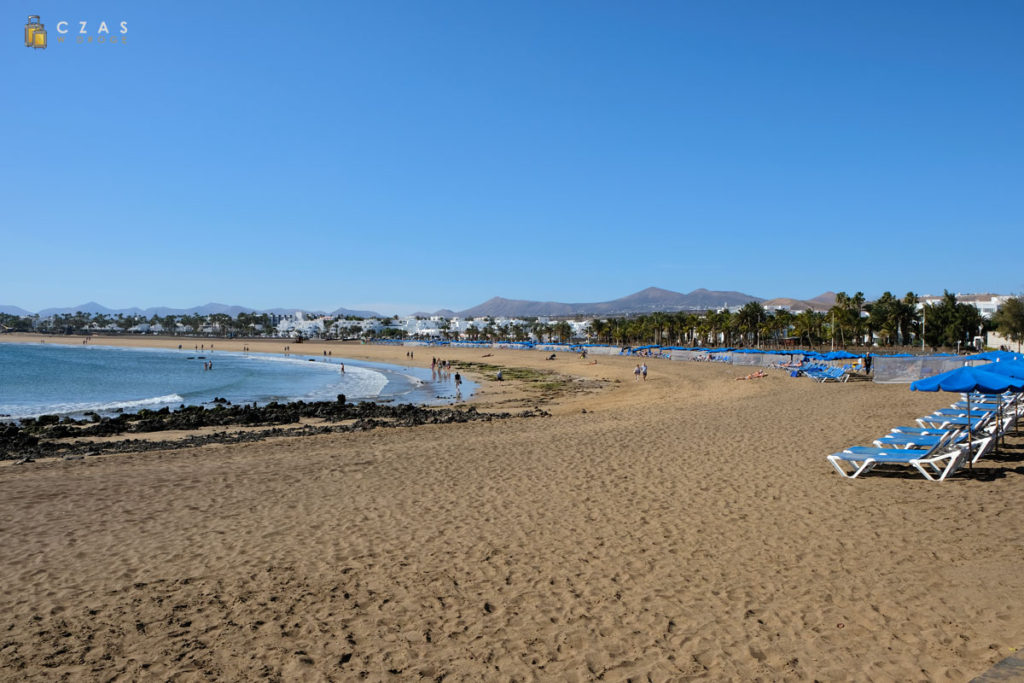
{"points": [[686, 527]]}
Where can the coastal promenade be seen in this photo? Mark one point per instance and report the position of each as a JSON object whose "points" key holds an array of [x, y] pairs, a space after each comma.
{"points": [[684, 527]]}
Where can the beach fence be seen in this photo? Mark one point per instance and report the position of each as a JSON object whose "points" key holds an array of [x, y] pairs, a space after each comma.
{"points": [[557, 348], [687, 354], [758, 358], [602, 349], [650, 350], [517, 346], [904, 368]]}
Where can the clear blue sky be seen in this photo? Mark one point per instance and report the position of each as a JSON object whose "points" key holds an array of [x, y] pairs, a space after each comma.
{"points": [[405, 156]]}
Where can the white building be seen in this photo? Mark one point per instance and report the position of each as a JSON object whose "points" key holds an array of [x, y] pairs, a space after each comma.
{"points": [[987, 304], [300, 327], [418, 327]]}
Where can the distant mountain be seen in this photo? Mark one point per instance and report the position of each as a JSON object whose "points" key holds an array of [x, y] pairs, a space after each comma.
{"points": [[826, 300], [358, 314], [443, 313], [92, 308], [794, 305], [206, 309], [650, 300], [819, 303], [14, 310], [513, 308], [95, 308]]}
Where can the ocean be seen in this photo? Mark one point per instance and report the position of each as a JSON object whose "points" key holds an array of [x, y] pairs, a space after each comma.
{"points": [[41, 379]]}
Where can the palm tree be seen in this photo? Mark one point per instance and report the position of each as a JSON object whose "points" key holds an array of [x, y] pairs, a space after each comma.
{"points": [[1009, 319], [782, 321], [747, 320], [808, 326], [909, 319]]}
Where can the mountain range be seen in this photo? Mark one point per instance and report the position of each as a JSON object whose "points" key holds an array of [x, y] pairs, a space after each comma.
{"points": [[650, 300], [206, 309]]}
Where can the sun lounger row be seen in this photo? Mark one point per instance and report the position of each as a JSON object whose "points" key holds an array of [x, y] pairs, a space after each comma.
{"points": [[939, 446]]}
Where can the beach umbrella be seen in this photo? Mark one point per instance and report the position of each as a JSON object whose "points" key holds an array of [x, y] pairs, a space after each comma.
{"points": [[998, 356], [1011, 368], [840, 355], [967, 380]]}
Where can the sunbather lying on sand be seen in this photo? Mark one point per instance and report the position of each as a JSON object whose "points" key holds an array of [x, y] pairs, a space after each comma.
{"points": [[755, 375]]}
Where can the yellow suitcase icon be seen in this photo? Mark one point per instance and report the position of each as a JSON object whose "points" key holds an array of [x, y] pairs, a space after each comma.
{"points": [[35, 33]]}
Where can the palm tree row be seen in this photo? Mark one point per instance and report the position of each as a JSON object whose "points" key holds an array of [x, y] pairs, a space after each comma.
{"points": [[850, 322]]}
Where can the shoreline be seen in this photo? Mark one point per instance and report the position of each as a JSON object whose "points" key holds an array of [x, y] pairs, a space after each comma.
{"points": [[489, 393], [405, 382]]}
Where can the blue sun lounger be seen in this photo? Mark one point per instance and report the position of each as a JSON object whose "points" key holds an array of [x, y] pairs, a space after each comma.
{"points": [[941, 421], [855, 461], [901, 440], [917, 430]]}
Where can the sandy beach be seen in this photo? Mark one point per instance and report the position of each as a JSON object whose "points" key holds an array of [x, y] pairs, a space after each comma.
{"points": [[686, 527]]}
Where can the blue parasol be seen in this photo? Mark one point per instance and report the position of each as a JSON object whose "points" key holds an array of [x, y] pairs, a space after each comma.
{"points": [[840, 355], [1012, 368], [995, 356], [968, 379]]}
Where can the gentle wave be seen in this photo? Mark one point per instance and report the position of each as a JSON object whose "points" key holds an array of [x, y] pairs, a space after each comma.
{"points": [[21, 411], [360, 383], [305, 361]]}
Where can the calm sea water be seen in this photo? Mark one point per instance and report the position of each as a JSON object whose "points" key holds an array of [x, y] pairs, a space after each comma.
{"points": [[39, 379]]}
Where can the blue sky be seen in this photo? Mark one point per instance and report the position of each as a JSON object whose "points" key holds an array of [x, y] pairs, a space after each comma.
{"points": [[405, 156]]}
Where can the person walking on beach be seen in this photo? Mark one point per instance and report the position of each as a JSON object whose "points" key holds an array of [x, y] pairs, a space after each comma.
{"points": [[643, 371], [636, 373]]}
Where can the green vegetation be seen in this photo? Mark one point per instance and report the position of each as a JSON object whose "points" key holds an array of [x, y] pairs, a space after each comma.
{"points": [[949, 323], [545, 384], [1009, 319]]}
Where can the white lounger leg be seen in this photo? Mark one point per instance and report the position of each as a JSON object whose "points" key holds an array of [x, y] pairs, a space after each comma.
{"points": [[858, 469], [953, 462]]}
